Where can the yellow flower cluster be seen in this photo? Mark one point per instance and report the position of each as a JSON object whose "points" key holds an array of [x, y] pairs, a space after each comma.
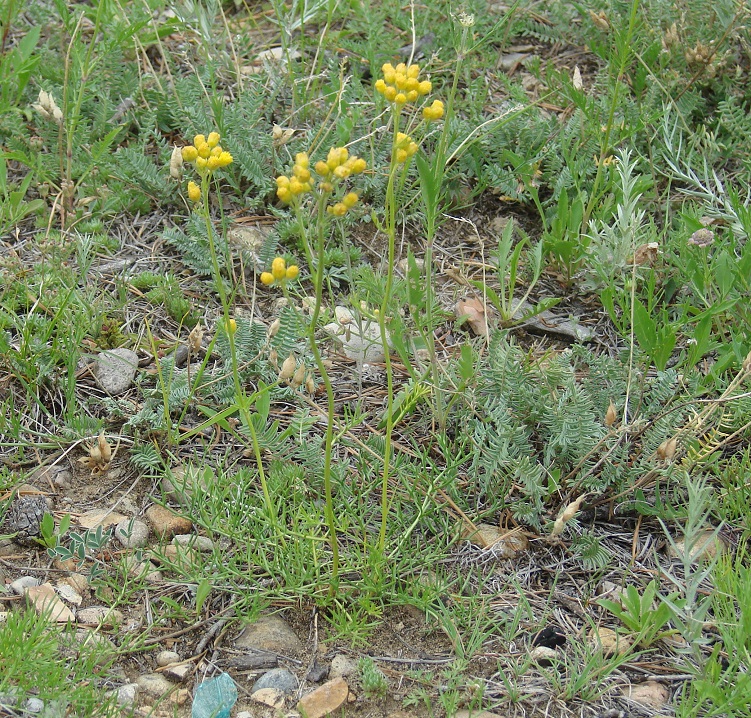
{"points": [[339, 165], [280, 272], [206, 153], [402, 84], [434, 112], [340, 208], [299, 182], [404, 148]]}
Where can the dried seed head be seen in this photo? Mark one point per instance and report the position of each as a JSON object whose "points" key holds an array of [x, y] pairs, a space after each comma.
{"points": [[176, 163], [702, 237], [310, 385], [299, 376], [670, 37], [610, 415], [600, 19], [69, 188], [274, 359], [577, 79], [195, 338], [105, 450], [273, 328], [666, 450], [288, 368], [568, 513]]}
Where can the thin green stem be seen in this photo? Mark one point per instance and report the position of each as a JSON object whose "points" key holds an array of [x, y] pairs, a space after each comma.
{"points": [[311, 329], [390, 227], [241, 398]]}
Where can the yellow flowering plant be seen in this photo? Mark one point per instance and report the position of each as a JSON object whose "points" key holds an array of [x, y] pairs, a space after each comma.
{"points": [[207, 156], [318, 193]]}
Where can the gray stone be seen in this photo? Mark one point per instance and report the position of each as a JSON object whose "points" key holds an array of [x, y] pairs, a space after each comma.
{"points": [[270, 633], [202, 543], [33, 705], [115, 370], [279, 679], [25, 518], [132, 533], [126, 695], [20, 585], [360, 339], [100, 615], [164, 658], [154, 684], [342, 666]]}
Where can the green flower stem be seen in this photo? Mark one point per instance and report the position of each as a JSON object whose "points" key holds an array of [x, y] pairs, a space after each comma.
{"points": [[311, 329], [390, 228], [241, 398]]}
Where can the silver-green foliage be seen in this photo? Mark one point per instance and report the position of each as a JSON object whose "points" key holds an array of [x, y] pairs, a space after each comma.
{"points": [[540, 427]]}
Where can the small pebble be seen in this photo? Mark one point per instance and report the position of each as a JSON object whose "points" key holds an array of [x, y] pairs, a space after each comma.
{"points": [[164, 658], [33, 705], [132, 533]]}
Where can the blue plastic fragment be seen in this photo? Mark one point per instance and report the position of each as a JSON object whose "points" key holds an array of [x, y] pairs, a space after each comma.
{"points": [[214, 698]]}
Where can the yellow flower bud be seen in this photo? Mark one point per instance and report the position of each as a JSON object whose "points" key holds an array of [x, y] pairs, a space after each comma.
{"points": [[231, 323], [389, 77], [401, 67], [279, 268], [350, 200], [412, 95], [200, 163], [292, 272], [359, 165], [425, 87], [302, 173], [190, 153], [341, 172], [213, 163], [400, 81], [387, 67], [267, 278], [412, 148], [326, 187], [194, 192], [343, 154], [380, 86], [322, 168], [282, 181], [295, 186], [302, 160], [213, 139], [199, 140], [215, 151], [413, 71], [284, 195], [400, 98], [390, 93], [225, 159], [204, 150], [401, 156], [411, 84]]}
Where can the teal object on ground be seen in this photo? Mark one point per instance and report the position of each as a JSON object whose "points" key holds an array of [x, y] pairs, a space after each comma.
{"points": [[214, 698]]}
